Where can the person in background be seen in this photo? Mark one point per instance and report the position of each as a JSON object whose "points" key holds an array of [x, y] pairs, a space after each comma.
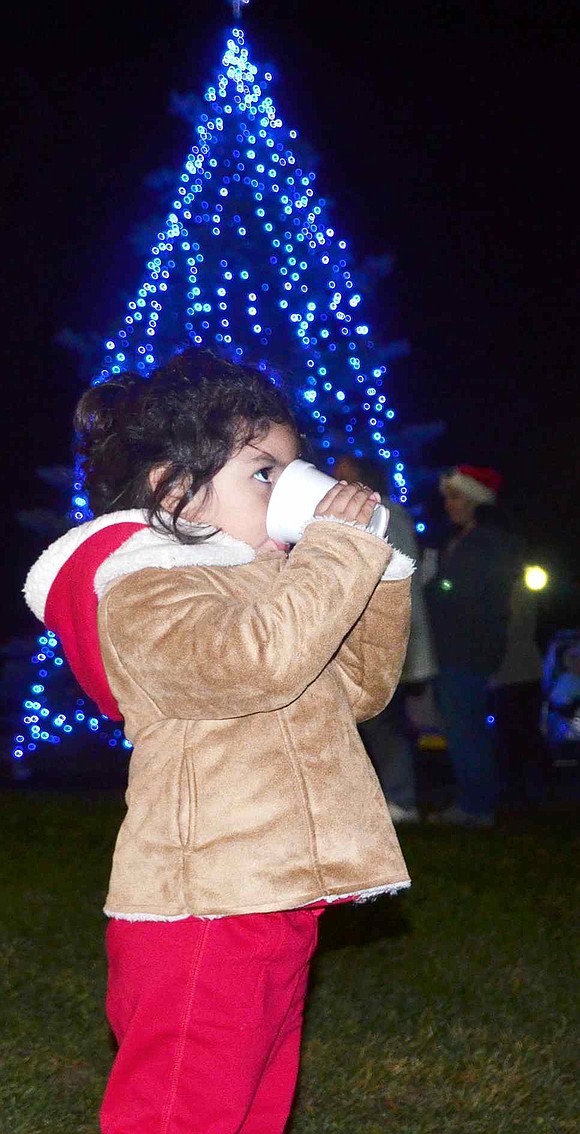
{"points": [[516, 702], [388, 737], [468, 600]]}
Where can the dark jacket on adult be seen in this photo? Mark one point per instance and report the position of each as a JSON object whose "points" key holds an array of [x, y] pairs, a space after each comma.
{"points": [[469, 599]]}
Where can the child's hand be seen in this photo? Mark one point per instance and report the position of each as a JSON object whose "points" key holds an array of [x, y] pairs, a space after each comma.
{"points": [[353, 502]]}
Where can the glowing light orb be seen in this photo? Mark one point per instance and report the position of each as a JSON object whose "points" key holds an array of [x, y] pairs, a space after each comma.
{"points": [[535, 578]]}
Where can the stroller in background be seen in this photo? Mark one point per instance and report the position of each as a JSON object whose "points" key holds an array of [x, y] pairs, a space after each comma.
{"points": [[560, 715]]}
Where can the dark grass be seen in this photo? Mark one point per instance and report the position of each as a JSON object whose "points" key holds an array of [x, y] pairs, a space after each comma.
{"points": [[453, 1008]]}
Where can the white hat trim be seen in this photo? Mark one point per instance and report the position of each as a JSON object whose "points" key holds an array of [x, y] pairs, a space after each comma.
{"points": [[473, 489]]}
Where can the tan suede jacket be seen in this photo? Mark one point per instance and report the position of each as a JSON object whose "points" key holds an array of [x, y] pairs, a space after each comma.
{"points": [[241, 684]]}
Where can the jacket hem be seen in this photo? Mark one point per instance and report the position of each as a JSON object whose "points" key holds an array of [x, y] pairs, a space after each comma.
{"points": [[357, 896]]}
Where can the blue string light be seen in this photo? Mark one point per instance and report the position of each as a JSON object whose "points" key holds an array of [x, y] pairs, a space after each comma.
{"points": [[247, 262]]}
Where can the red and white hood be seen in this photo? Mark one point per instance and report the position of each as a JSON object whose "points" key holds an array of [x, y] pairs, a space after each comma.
{"points": [[65, 584]]}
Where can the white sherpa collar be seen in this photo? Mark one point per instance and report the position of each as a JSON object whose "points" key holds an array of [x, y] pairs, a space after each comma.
{"points": [[146, 548], [156, 548]]}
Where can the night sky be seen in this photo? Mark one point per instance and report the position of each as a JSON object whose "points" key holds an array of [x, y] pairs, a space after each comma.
{"points": [[446, 137]]}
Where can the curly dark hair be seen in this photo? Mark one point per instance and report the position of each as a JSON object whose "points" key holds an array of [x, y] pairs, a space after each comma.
{"points": [[187, 419]]}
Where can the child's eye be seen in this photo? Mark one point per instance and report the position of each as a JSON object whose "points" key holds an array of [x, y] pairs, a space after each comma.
{"points": [[263, 475]]}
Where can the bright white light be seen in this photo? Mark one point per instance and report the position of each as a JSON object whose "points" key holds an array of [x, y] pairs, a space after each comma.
{"points": [[535, 578]]}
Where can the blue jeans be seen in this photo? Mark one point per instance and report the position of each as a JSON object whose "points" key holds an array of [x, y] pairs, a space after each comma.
{"points": [[463, 701]]}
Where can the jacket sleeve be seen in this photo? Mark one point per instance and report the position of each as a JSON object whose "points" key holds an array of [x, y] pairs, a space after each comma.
{"points": [[371, 657], [200, 645]]}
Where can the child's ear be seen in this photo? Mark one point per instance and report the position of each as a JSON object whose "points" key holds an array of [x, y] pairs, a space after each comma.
{"points": [[175, 493], [155, 475]]}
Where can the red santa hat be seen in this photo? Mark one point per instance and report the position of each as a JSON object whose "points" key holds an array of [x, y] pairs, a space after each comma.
{"points": [[481, 485]]}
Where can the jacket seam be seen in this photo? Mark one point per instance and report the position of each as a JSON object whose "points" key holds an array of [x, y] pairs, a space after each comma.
{"points": [[340, 674], [123, 667], [192, 780], [185, 778], [289, 748]]}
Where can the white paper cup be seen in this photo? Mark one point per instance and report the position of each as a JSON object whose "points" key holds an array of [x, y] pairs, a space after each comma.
{"points": [[297, 492]]}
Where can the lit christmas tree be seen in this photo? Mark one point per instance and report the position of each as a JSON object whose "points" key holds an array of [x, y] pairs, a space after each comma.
{"points": [[248, 264]]}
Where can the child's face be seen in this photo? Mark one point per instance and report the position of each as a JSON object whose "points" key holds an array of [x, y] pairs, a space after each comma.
{"points": [[240, 492]]}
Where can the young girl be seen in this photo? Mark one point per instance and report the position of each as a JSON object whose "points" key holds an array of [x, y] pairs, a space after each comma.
{"points": [[240, 669]]}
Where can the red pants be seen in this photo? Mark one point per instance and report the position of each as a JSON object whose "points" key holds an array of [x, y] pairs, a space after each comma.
{"points": [[208, 1018]]}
